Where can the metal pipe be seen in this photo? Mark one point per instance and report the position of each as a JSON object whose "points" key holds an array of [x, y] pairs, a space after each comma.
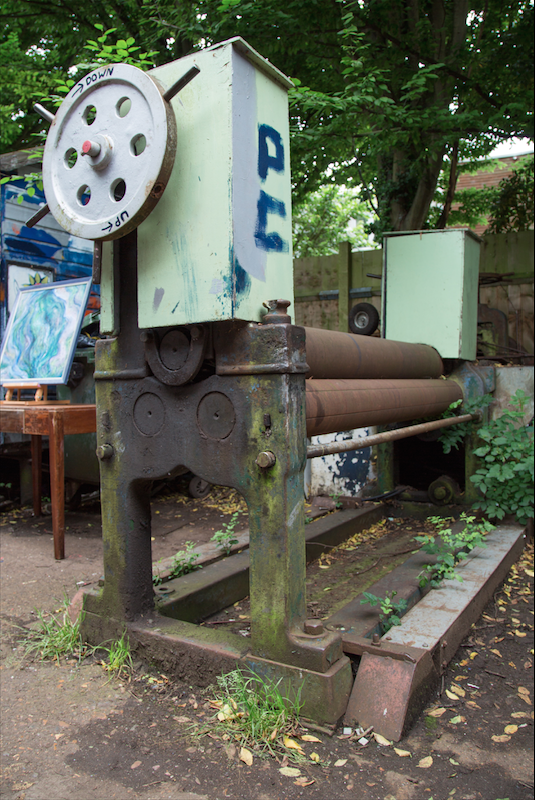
{"points": [[332, 354], [316, 450], [342, 405]]}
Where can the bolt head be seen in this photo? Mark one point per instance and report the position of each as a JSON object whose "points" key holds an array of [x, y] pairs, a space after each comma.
{"points": [[313, 627], [265, 459], [104, 452]]}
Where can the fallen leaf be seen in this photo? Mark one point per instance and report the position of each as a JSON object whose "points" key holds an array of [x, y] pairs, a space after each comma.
{"points": [[456, 720], [457, 690], [520, 715], [520, 634], [290, 772], [381, 740], [307, 737], [461, 678], [472, 656], [497, 653], [455, 763], [501, 739], [402, 753], [451, 695], [523, 690], [315, 757], [529, 572], [472, 704], [426, 762], [437, 712], [510, 729], [303, 781], [340, 762], [183, 720], [135, 765], [291, 744], [246, 756]]}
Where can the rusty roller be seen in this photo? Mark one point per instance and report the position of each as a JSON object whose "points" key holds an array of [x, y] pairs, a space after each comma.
{"points": [[331, 354], [341, 405]]}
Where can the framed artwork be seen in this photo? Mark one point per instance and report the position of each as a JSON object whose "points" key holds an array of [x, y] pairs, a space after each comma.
{"points": [[42, 333]]}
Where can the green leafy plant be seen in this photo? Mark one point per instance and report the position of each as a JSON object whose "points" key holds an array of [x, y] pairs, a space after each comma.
{"points": [[451, 438], [505, 477], [255, 713], [450, 547], [225, 539], [183, 562], [390, 612]]}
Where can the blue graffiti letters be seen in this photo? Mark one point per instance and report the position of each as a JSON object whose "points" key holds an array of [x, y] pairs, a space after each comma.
{"points": [[265, 161], [269, 241]]}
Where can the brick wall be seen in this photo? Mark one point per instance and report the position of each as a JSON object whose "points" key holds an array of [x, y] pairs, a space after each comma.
{"points": [[477, 180]]}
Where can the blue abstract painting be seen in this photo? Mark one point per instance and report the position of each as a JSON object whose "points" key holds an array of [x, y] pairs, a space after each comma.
{"points": [[42, 333]]}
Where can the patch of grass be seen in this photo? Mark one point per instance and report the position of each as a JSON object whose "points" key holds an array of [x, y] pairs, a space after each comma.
{"points": [[255, 714], [56, 636], [119, 659]]}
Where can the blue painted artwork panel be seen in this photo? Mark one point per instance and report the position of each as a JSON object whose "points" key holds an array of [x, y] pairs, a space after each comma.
{"points": [[42, 333]]}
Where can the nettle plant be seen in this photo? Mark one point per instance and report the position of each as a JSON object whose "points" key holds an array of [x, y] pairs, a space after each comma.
{"points": [[505, 477]]}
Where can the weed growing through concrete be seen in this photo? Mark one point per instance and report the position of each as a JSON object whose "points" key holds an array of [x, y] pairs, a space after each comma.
{"points": [[225, 539], [254, 714]]}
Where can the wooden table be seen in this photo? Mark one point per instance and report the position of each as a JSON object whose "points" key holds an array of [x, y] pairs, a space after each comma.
{"points": [[53, 420]]}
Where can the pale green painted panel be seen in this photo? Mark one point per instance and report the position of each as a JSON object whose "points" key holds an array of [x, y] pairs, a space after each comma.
{"points": [[108, 316], [430, 294], [205, 253]]}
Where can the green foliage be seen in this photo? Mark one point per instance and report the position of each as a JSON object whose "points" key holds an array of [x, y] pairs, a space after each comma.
{"points": [[505, 477], [225, 539], [327, 217], [511, 207], [390, 612], [183, 562], [384, 93], [451, 438], [450, 548], [255, 713]]}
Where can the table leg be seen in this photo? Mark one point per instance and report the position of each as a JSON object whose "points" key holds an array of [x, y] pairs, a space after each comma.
{"points": [[37, 474], [57, 482]]}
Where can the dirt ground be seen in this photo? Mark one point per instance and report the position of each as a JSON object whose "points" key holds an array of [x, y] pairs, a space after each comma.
{"points": [[71, 733]]}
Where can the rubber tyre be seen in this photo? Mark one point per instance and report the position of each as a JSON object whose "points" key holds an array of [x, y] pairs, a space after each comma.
{"points": [[199, 488], [363, 319]]}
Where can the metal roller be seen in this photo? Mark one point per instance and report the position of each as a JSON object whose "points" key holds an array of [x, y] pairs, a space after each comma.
{"points": [[341, 405], [331, 354]]}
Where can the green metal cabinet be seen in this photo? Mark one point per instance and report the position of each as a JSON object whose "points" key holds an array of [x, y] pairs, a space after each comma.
{"points": [[430, 283], [219, 243]]}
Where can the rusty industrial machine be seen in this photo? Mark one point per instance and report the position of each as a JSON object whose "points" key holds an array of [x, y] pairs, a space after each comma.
{"points": [[181, 177]]}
